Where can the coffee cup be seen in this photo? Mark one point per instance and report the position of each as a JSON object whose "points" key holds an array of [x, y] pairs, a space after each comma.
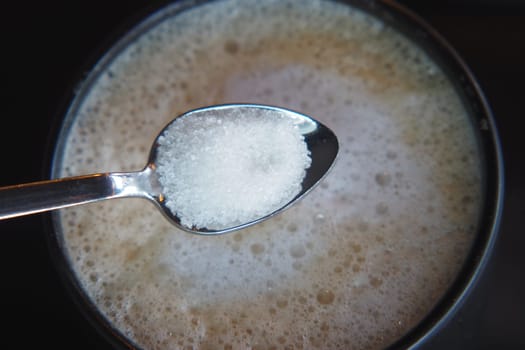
{"points": [[378, 255]]}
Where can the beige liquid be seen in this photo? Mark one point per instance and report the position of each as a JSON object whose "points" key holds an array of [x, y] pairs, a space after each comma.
{"points": [[358, 262]]}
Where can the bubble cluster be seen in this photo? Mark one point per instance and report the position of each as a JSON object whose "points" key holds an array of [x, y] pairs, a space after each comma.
{"points": [[358, 262]]}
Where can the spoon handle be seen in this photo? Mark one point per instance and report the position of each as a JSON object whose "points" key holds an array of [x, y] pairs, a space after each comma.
{"points": [[36, 197]]}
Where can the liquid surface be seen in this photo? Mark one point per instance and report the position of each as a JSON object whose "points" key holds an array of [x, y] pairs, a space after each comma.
{"points": [[224, 168], [357, 263]]}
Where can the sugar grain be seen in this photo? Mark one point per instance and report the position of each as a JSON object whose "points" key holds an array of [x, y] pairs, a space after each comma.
{"points": [[220, 170]]}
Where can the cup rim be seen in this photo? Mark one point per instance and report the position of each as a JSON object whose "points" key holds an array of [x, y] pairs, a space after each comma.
{"points": [[424, 36]]}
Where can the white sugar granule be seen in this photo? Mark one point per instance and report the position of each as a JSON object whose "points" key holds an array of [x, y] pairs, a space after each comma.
{"points": [[221, 169]]}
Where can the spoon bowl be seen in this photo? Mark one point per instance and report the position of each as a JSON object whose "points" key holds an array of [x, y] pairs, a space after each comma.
{"points": [[36, 197]]}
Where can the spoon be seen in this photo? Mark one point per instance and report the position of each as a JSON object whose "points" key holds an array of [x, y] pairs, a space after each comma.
{"points": [[36, 197]]}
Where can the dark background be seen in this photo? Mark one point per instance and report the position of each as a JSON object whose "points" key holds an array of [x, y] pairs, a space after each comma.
{"points": [[46, 47]]}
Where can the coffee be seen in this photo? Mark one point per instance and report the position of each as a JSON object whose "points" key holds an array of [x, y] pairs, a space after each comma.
{"points": [[358, 262]]}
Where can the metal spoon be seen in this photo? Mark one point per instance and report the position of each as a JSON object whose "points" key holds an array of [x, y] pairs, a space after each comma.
{"points": [[36, 197]]}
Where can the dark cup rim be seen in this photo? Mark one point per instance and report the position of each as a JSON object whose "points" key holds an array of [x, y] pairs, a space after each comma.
{"points": [[406, 22]]}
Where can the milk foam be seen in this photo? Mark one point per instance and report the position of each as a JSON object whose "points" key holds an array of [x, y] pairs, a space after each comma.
{"points": [[358, 262]]}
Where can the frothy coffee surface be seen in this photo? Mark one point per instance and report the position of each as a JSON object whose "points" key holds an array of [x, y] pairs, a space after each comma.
{"points": [[358, 262]]}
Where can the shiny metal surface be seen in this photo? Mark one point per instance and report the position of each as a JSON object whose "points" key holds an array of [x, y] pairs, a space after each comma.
{"points": [[36, 197]]}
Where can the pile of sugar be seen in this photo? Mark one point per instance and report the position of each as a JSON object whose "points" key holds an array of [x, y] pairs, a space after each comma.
{"points": [[220, 169], [357, 264]]}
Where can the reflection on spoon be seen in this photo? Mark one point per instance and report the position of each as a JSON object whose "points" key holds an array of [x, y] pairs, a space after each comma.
{"points": [[152, 182]]}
